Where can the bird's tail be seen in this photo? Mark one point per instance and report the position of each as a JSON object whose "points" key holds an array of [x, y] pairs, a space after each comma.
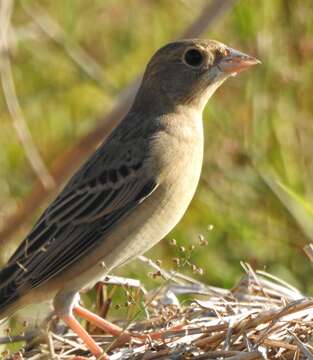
{"points": [[9, 296]]}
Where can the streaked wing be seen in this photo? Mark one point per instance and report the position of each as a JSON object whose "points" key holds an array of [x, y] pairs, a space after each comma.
{"points": [[101, 193], [71, 242]]}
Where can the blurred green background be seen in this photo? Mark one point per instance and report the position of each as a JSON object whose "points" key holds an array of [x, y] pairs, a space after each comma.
{"points": [[254, 202]]}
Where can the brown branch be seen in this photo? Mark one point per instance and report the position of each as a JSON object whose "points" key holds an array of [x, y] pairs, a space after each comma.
{"points": [[69, 161], [208, 15]]}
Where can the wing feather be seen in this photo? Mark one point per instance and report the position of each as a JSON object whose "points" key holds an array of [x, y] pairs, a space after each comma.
{"points": [[99, 195]]}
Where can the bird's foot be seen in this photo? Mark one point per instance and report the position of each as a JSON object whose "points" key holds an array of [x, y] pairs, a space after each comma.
{"points": [[93, 347]]}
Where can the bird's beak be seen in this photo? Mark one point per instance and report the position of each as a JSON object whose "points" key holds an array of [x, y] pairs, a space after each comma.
{"points": [[236, 61]]}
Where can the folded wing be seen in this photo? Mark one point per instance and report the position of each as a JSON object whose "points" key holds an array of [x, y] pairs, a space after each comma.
{"points": [[101, 193]]}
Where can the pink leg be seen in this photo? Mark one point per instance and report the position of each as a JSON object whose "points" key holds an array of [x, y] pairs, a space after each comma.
{"points": [[115, 330], [83, 334], [101, 323]]}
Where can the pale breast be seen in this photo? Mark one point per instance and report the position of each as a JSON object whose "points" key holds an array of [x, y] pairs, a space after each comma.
{"points": [[176, 163]]}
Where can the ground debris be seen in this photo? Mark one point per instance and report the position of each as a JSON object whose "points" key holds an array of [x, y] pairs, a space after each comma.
{"points": [[262, 317]]}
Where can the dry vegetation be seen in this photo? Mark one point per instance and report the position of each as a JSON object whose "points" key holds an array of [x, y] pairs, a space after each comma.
{"points": [[261, 317]]}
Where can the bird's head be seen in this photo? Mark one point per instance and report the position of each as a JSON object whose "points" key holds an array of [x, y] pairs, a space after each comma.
{"points": [[187, 72]]}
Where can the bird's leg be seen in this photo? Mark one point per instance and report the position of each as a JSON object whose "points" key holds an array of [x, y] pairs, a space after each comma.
{"points": [[115, 330], [64, 304], [73, 324], [101, 323]]}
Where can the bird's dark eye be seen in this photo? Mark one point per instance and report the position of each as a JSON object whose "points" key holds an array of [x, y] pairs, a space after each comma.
{"points": [[193, 57]]}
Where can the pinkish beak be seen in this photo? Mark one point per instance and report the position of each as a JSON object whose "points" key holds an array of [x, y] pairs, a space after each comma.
{"points": [[236, 61]]}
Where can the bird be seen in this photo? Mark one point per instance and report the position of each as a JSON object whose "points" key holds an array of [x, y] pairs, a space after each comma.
{"points": [[130, 193]]}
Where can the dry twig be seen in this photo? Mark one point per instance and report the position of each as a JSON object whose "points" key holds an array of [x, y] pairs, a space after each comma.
{"points": [[12, 101]]}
